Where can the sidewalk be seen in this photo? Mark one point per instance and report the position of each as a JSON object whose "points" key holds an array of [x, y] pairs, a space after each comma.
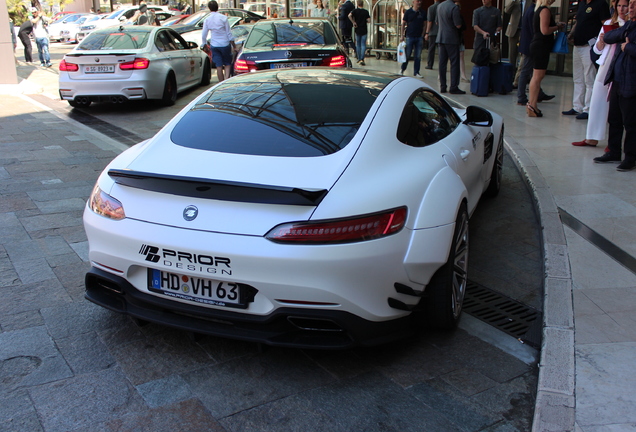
{"points": [[586, 377]]}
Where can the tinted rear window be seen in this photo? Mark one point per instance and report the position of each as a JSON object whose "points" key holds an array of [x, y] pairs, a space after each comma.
{"points": [[270, 34], [122, 38], [290, 113]]}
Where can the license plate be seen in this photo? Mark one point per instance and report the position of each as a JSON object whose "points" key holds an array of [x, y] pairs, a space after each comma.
{"points": [[99, 69], [287, 65], [199, 290]]}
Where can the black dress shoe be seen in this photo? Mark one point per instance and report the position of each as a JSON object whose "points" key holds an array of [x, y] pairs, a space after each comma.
{"points": [[607, 157], [582, 116], [626, 165], [522, 102], [571, 112], [428, 67], [545, 97], [457, 91], [442, 90]]}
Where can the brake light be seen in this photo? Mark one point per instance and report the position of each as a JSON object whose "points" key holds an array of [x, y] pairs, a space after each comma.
{"points": [[68, 67], [335, 61], [138, 63], [355, 229], [243, 66], [105, 205]]}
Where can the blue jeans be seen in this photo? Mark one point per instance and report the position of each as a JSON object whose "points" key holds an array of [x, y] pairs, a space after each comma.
{"points": [[413, 43], [43, 50], [361, 46]]}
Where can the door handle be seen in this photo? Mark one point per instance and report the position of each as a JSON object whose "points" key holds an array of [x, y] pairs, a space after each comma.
{"points": [[464, 154]]}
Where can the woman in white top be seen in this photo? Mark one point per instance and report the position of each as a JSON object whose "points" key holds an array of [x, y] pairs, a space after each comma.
{"points": [[599, 106], [319, 11]]}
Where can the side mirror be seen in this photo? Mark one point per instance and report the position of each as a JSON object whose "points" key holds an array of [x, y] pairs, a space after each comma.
{"points": [[477, 116], [192, 45]]}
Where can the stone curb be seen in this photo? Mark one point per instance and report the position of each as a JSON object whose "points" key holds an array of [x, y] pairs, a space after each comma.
{"points": [[554, 408]]}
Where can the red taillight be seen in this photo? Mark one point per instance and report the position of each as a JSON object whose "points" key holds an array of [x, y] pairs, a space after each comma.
{"points": [[348, 230], [138, 63], [243, 66], [335, 61], [68, 67]]}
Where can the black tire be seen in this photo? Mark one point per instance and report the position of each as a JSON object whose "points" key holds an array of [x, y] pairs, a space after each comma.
{"points": [[207, 74], [169, 91], [447, 287], [497, 171], [378, 55]]}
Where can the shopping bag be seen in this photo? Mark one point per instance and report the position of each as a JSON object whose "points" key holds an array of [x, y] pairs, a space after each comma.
{"points": [[401, 52], [495, 53], [560, 43]]}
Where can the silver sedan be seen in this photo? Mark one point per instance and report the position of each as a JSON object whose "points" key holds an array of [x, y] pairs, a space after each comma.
{"points": [[122, 63]]}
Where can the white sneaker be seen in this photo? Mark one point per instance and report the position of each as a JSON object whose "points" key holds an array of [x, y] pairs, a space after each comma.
{"points": [[417, 76]]}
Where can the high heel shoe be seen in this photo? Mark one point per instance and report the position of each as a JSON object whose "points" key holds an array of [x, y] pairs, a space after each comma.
{"points": [[533, 112]]}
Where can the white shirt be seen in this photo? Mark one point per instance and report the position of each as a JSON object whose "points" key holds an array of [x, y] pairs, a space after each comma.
{"points": [[219, 28], [39, 31]]}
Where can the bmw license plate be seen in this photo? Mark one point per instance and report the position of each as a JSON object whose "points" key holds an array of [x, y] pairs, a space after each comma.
{"points": [[199, 290], [99, 69], [287, 65]]}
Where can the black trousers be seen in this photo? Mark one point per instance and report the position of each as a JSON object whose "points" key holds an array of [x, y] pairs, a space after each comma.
{"points": [[449, 52], [28, 49], [621, 116], [431, 51]]}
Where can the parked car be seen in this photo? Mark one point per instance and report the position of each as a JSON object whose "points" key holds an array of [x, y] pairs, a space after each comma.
{"points": [[85, 28], [195, 21], [286, 43], [118, 64], [69, 33], [195, 35], [314, 207], [174, 20], [123, 15], [56, 28]]}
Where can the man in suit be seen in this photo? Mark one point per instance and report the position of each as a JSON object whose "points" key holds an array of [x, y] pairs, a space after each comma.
{"points": [[450, 21], [513, 32], [431, 33]]}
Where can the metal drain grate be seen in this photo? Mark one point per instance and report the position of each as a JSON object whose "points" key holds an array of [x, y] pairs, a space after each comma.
{"points": [[516, 319]]}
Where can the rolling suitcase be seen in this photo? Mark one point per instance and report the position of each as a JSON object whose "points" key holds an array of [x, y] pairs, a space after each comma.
{"points": [[501, 78], [480, 80]]}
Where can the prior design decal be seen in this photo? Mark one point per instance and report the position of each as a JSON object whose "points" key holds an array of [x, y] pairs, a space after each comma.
{"points": [[186, 260]]}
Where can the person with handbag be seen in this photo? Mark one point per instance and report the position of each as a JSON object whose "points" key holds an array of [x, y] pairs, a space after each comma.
{"points": [[599, 105], [540, 49], [487, 23], [413, 25]]}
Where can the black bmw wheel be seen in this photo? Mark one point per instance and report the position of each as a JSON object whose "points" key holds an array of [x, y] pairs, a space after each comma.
{"points": [[169, 91]]}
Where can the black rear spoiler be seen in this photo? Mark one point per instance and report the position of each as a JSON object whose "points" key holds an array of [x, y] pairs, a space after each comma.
{"points": [[217, 189]]}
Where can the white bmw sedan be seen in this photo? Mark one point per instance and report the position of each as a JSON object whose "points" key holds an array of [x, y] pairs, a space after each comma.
{"points": [[117, 64], [313, 207]]}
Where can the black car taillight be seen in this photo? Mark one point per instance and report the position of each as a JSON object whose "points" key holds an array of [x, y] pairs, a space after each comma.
{"points": [[347, 230]]}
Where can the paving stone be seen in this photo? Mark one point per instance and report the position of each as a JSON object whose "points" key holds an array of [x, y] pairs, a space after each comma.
{"points": [[21, 320], [163, 355], [11, 229], [17, 413], [85, 353], [369, 402], [36, 249], [468, 381], [33, 350], [453, 405], [35, 296], [33, 270], [84, 400], [78, 317], [250, 381], [186, 416], [50, 221], [165, 391]]}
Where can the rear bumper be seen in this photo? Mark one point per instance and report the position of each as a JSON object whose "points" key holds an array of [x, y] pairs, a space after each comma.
{"points": [[290, 327]]}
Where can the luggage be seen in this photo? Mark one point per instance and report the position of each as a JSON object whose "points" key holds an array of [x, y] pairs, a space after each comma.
{"points": [[480, 80], [501, 75]]}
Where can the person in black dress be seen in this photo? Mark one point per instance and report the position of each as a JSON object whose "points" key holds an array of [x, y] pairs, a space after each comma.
{"points": [[540, 48]]}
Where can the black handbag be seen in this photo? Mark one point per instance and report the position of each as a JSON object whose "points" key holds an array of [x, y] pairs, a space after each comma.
{"points": [[481, 57]]}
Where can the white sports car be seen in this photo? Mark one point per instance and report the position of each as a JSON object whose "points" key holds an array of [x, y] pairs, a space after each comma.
{"points": [[117, 64], [312, 207]]}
